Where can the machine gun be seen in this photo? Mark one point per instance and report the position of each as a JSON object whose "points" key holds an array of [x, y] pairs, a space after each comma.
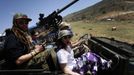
{"points": [[54, 19]]}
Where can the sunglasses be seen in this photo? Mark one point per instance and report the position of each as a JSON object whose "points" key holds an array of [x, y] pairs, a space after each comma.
{"points": [[67, 37], [22, 22]]}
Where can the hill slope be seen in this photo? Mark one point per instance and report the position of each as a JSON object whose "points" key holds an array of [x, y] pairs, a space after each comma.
{"points": [[118, 9]]}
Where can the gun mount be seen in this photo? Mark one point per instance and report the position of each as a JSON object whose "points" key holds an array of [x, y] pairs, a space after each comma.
{"points": [[54, 19]]}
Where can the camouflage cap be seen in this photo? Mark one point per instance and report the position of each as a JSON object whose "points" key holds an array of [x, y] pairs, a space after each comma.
{"points": [[63, 33], [21, 16]]}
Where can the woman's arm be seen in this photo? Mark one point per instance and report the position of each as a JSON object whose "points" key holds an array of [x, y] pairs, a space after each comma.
{"points": [[30, 55], [66, 70], [76, 43], [25, 58]]}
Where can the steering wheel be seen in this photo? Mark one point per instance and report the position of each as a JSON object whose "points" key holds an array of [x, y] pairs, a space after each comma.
{"points": [[85, 36], [84, 39], [83, 46]]}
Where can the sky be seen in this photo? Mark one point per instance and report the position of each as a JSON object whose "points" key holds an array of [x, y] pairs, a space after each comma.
{"points": [[34, 7]]}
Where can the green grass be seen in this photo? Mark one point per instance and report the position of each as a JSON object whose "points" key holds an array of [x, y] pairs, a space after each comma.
{"points": [[124, 32]]}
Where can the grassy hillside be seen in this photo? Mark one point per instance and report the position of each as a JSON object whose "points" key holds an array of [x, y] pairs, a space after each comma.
{"points": [[124, 32], [104, 9]]}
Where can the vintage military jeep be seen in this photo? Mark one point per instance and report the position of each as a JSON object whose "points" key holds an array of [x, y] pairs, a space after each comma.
{"points": [[121, 53]]}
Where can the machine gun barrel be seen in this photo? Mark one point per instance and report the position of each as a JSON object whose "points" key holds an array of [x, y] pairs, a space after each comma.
{"points": [[59, 11]]}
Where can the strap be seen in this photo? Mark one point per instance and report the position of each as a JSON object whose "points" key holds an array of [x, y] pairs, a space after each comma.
{"points": [[54, 56]]}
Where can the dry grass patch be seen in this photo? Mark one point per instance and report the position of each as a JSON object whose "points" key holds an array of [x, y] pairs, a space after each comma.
{"points": [[124, 32]]}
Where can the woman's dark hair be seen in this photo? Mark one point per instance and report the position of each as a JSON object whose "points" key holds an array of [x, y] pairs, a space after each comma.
{"points": [[60, 44]]}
